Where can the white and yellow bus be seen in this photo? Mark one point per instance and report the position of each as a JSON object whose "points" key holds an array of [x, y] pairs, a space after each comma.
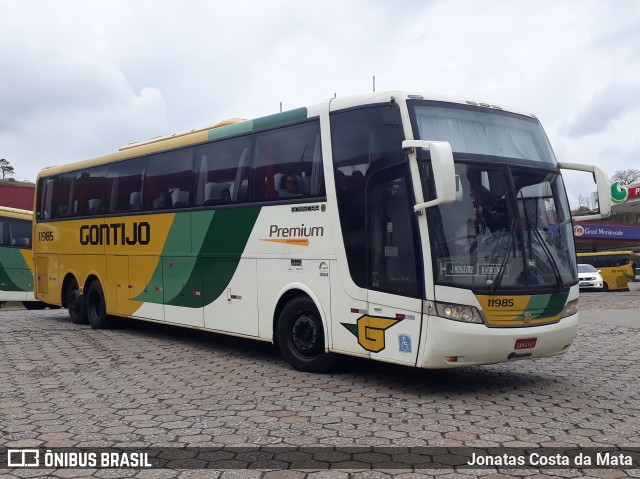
{"points": [[338, 228], [16, 258]]}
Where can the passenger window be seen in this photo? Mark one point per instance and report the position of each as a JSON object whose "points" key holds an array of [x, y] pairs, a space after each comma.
{"points": [[44, 202], [168, 180], [287, 163], [222, 172], [62, 206], [20, 233], [88, 192], [124, 185]]}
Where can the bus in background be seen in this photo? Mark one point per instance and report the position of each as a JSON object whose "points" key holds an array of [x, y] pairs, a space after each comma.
{"points": [[616, 267], [411, 228], [16, 258]]}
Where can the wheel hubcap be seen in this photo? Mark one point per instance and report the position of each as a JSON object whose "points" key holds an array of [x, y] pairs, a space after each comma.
{"points": [[305, 334]]}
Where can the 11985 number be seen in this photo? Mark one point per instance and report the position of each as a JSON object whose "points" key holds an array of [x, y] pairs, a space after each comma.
{"points": [[45, 235], [500, 303]]}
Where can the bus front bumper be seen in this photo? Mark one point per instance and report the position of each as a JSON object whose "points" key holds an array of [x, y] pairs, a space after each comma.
{"points": [[451, 344]]}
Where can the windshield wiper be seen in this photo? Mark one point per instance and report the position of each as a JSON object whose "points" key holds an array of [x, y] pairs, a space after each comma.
{"points": [[498, 279], [547, 252]]}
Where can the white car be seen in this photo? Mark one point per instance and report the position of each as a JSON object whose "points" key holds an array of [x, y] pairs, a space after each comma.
{"points": [[589, 277]]}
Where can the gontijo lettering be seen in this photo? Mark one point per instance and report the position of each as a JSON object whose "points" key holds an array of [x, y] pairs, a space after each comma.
{"points": [[116, 234]]}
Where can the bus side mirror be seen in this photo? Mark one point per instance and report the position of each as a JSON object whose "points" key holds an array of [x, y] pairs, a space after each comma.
{"points": [[602, 185], [444, 173]]}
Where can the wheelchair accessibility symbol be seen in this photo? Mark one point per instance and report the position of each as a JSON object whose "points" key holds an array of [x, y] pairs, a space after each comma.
{"points": [[405, 343]]}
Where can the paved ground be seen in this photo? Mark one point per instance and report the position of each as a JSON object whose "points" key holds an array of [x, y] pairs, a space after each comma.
{"points": [[155, 386]]}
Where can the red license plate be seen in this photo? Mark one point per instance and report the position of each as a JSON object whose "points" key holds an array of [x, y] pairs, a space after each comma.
{"points": [[526, 343]]}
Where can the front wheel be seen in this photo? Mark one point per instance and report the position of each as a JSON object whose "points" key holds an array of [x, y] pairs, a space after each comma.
{"points": [[96, 307], [301, 336], [74, 301]]}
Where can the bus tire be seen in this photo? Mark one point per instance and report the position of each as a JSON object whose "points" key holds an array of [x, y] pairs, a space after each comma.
{"points": [[605, 287], [96, 306], [75, 302], [34, 305], [300, 336]]}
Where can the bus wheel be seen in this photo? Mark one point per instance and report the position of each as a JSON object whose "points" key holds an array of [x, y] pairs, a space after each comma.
{"points": [[301, 336], [605, 287], [96, 307], [34, 305], [75, 303]]}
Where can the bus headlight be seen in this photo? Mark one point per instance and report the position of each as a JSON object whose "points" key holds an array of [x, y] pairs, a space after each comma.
{"points": [[570, 309], [459, 312]]}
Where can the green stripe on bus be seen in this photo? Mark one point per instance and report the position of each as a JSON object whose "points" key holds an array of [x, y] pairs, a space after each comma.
{"points": [[14, 271], [545, 305], [556, 304], [280, 118], [223, 243], [218, 240], [230, 130], [268, 121]]}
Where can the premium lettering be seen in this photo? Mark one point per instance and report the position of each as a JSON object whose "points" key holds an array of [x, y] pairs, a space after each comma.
{"points": [[116, 234], [295, 232]]}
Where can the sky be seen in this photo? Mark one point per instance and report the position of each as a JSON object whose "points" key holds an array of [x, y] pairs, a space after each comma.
{"points": [[82, 78]]}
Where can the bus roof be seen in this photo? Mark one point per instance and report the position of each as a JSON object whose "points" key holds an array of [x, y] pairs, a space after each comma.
{"points": [[235, 126], [9, 212]]}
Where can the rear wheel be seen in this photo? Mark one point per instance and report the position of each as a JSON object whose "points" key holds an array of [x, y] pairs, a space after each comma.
{"points": [[96, 307], [301, 336], [75, 303]]}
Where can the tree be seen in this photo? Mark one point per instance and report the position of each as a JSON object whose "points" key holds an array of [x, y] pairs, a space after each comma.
{"points": [[6, 168], [584, 206], [626, 177]]}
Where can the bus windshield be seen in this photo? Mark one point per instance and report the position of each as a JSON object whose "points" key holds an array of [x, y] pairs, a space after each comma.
{"points": [[496, 236], [483, 131]]}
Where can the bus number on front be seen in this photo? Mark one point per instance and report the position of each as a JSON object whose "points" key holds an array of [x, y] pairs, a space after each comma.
{"points": [[500, 303]]}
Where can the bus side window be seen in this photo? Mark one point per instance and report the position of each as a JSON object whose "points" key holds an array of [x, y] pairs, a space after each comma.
{"points": [[168, 180], [20, 233], [124, 185], [220, 172], [62, 195], [87, 190], [287, 163], [44, 200]]}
